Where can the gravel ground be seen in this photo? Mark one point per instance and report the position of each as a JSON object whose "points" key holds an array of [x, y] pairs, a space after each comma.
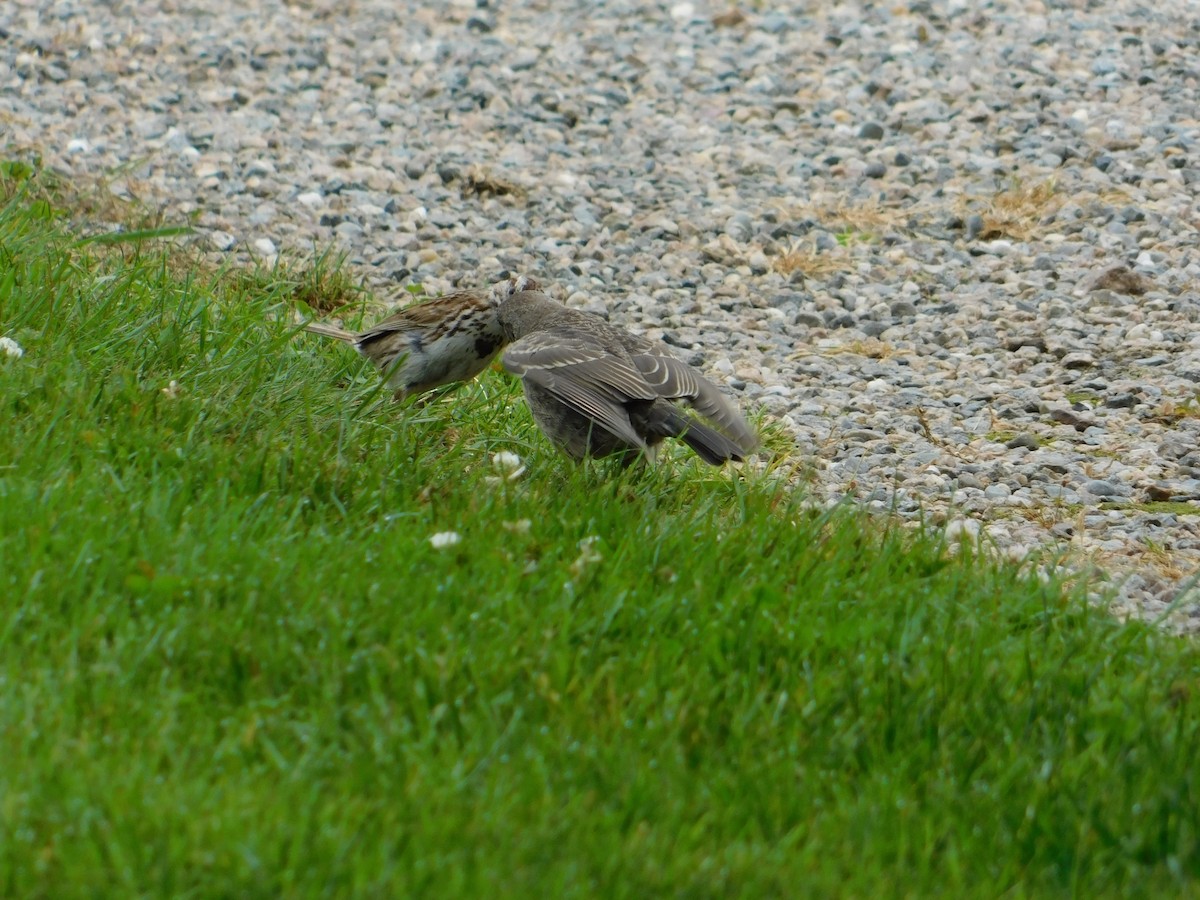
{"points": [[951, 246]]}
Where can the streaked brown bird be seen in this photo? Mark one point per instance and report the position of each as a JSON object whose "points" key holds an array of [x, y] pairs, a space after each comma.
{"points": [[435, 342], [598, 390]]}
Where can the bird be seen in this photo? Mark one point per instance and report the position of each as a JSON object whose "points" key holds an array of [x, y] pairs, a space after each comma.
{"points": [[598, 390], [448, 339]]}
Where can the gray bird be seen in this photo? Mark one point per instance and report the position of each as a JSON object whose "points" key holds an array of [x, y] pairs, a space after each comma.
{"points": [[598, 390]]}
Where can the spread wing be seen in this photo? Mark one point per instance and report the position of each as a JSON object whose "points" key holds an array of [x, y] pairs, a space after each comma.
{"points": [[583, 376], [676, 380]]}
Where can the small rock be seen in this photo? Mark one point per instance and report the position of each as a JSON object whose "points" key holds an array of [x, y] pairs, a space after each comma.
{"points": [[222, 240], [963, 530], [1027, 441], [1015, 342], [1078, 360], [729, 18], [1143, 332], [740, 227], [862, 435], [1122, 401], [871, 131], [683, 12], [1160, 492], [1122, 280], [1099, 488], [1067, 417], [1175, 447]]}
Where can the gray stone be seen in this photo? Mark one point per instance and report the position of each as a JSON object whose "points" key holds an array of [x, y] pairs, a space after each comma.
{"points": [[1028, 441], [1106, 489]]}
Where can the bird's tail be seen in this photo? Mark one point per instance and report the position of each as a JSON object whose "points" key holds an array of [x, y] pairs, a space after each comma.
{"points": [[332, 331], [710, 445]]}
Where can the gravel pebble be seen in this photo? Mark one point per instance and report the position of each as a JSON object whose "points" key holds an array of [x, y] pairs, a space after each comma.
{"points": [[960, 269]]}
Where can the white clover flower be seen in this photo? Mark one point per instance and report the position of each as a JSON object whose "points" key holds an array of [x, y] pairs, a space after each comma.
{"points": [[588, 555], [508, 464], [11, 348], [444, 539], [171, 391]]}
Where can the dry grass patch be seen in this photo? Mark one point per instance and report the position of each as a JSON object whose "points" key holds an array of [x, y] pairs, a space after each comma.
{"points": [[852, 224], [324, 283], [804, 257], [312, 288], [482, 182], [868, 218], [1020, 211], [869, 348]]}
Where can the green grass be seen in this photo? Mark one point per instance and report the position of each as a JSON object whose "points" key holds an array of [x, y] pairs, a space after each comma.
{"points": [[1174, 507], [233, 664], [1002, 437], [1090, 398]]}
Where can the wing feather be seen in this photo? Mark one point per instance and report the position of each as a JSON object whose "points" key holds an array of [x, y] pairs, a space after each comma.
{"points": [[676, 380], [584, 377], [580, 360], [589, 403]]}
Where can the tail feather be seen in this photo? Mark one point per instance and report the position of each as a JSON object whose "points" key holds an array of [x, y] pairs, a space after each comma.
{"points": [[333, 331], [708, 443]]}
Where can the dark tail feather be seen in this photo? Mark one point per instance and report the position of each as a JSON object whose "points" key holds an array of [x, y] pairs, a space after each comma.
{"points": [[710, 445]]}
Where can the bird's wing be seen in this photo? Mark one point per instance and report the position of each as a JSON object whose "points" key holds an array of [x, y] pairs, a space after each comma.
{"points": [[676, 380], [583, 376], [398, 322], [428, 316], [579, 359]]}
